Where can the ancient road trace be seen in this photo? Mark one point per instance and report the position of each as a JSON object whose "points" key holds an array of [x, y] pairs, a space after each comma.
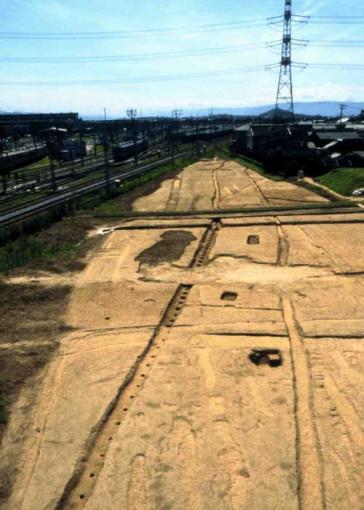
{"points": [[215, 361]]}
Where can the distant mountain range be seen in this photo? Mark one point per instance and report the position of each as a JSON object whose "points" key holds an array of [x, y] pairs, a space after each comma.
{"points": [[319, 108], [322, 108]]}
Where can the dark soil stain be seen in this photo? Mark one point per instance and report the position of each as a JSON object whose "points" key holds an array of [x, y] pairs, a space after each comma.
{"points": [[171, 248]]}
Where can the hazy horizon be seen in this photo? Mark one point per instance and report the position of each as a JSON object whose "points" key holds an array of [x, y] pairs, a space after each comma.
{"points": [[192, 54]]}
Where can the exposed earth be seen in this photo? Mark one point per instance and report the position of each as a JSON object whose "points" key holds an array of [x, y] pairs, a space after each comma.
{"points": [[205, 361]]}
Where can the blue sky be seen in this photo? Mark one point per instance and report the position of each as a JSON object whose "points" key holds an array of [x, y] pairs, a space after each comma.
{"points": [[230, 90]]}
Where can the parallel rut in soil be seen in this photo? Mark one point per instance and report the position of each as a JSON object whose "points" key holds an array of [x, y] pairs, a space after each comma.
{"points": [[82, 483]]}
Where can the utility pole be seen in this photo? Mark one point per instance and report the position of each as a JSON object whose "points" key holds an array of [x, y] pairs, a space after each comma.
{"points": [[197, 131], [53, 173], [285, 82], [52, 148], [213, 128], [131, 113], [211, 119], [105, 144], [342, 108], [81, 146], [176, 113]]}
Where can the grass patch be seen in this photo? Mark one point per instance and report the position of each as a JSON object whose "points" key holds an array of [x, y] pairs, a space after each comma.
{"points": [[343, 180], [25, 249]]}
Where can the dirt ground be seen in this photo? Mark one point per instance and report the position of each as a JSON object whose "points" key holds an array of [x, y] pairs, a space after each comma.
{"points": [[202, 363], [222, 185]]}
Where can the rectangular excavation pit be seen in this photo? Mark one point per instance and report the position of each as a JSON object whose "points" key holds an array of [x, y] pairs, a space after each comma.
{"points": [[229, 296], [253, 239], [271, 357]]}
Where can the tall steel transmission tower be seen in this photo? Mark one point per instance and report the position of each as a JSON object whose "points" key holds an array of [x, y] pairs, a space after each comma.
{"points": [[284, 95]]}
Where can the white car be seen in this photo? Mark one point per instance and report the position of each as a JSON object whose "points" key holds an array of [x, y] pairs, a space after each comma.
{"points": [[358, 192]]}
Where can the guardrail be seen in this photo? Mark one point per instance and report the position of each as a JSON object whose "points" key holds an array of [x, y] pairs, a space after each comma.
{"points": [[45, 204]]}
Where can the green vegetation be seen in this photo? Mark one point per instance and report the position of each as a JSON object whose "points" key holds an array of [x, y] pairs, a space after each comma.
{"points": [[224, 153], [344, 180], [117, 213], [25, 249], [257, 167], [36, 166], [111, 207]]}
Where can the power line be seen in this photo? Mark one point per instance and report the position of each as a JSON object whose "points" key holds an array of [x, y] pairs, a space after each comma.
{"points": [[212, 27], [176, 77], [337, 43], [141, 79], [338, 66], [338, 21], [131, 57], [177, 54], [335, 17], [208, 27]]}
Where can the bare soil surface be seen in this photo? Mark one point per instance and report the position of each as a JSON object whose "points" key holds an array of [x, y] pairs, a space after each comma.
{"points": [[33, 303], [221, 184], [203, 363]]}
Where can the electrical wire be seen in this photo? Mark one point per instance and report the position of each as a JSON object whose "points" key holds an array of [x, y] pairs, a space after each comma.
{"points": [[172, 54], [212, 27], [344, 67], [209, 27], [132, 57], [175, 77], [338, 43], [141, 79]]}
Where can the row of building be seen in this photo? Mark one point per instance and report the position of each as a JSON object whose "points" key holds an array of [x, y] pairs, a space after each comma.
{"points": [[312, 147]]}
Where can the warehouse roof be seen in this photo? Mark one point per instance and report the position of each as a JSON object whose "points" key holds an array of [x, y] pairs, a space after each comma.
{"points": [[267, 129], [244, 127], [337, 135]]}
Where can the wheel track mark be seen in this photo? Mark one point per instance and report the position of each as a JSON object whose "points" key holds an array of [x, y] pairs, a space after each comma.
{"points": [[346, 411], [182, 440], [229, 452], [81, 485], [283, 242], [172, 201], [349, 376], [216, 198], [353, 499], [30, 465], [257, 188], [207, 368], [283, 245], [137, 497], [309, 461], [334, 262]]}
